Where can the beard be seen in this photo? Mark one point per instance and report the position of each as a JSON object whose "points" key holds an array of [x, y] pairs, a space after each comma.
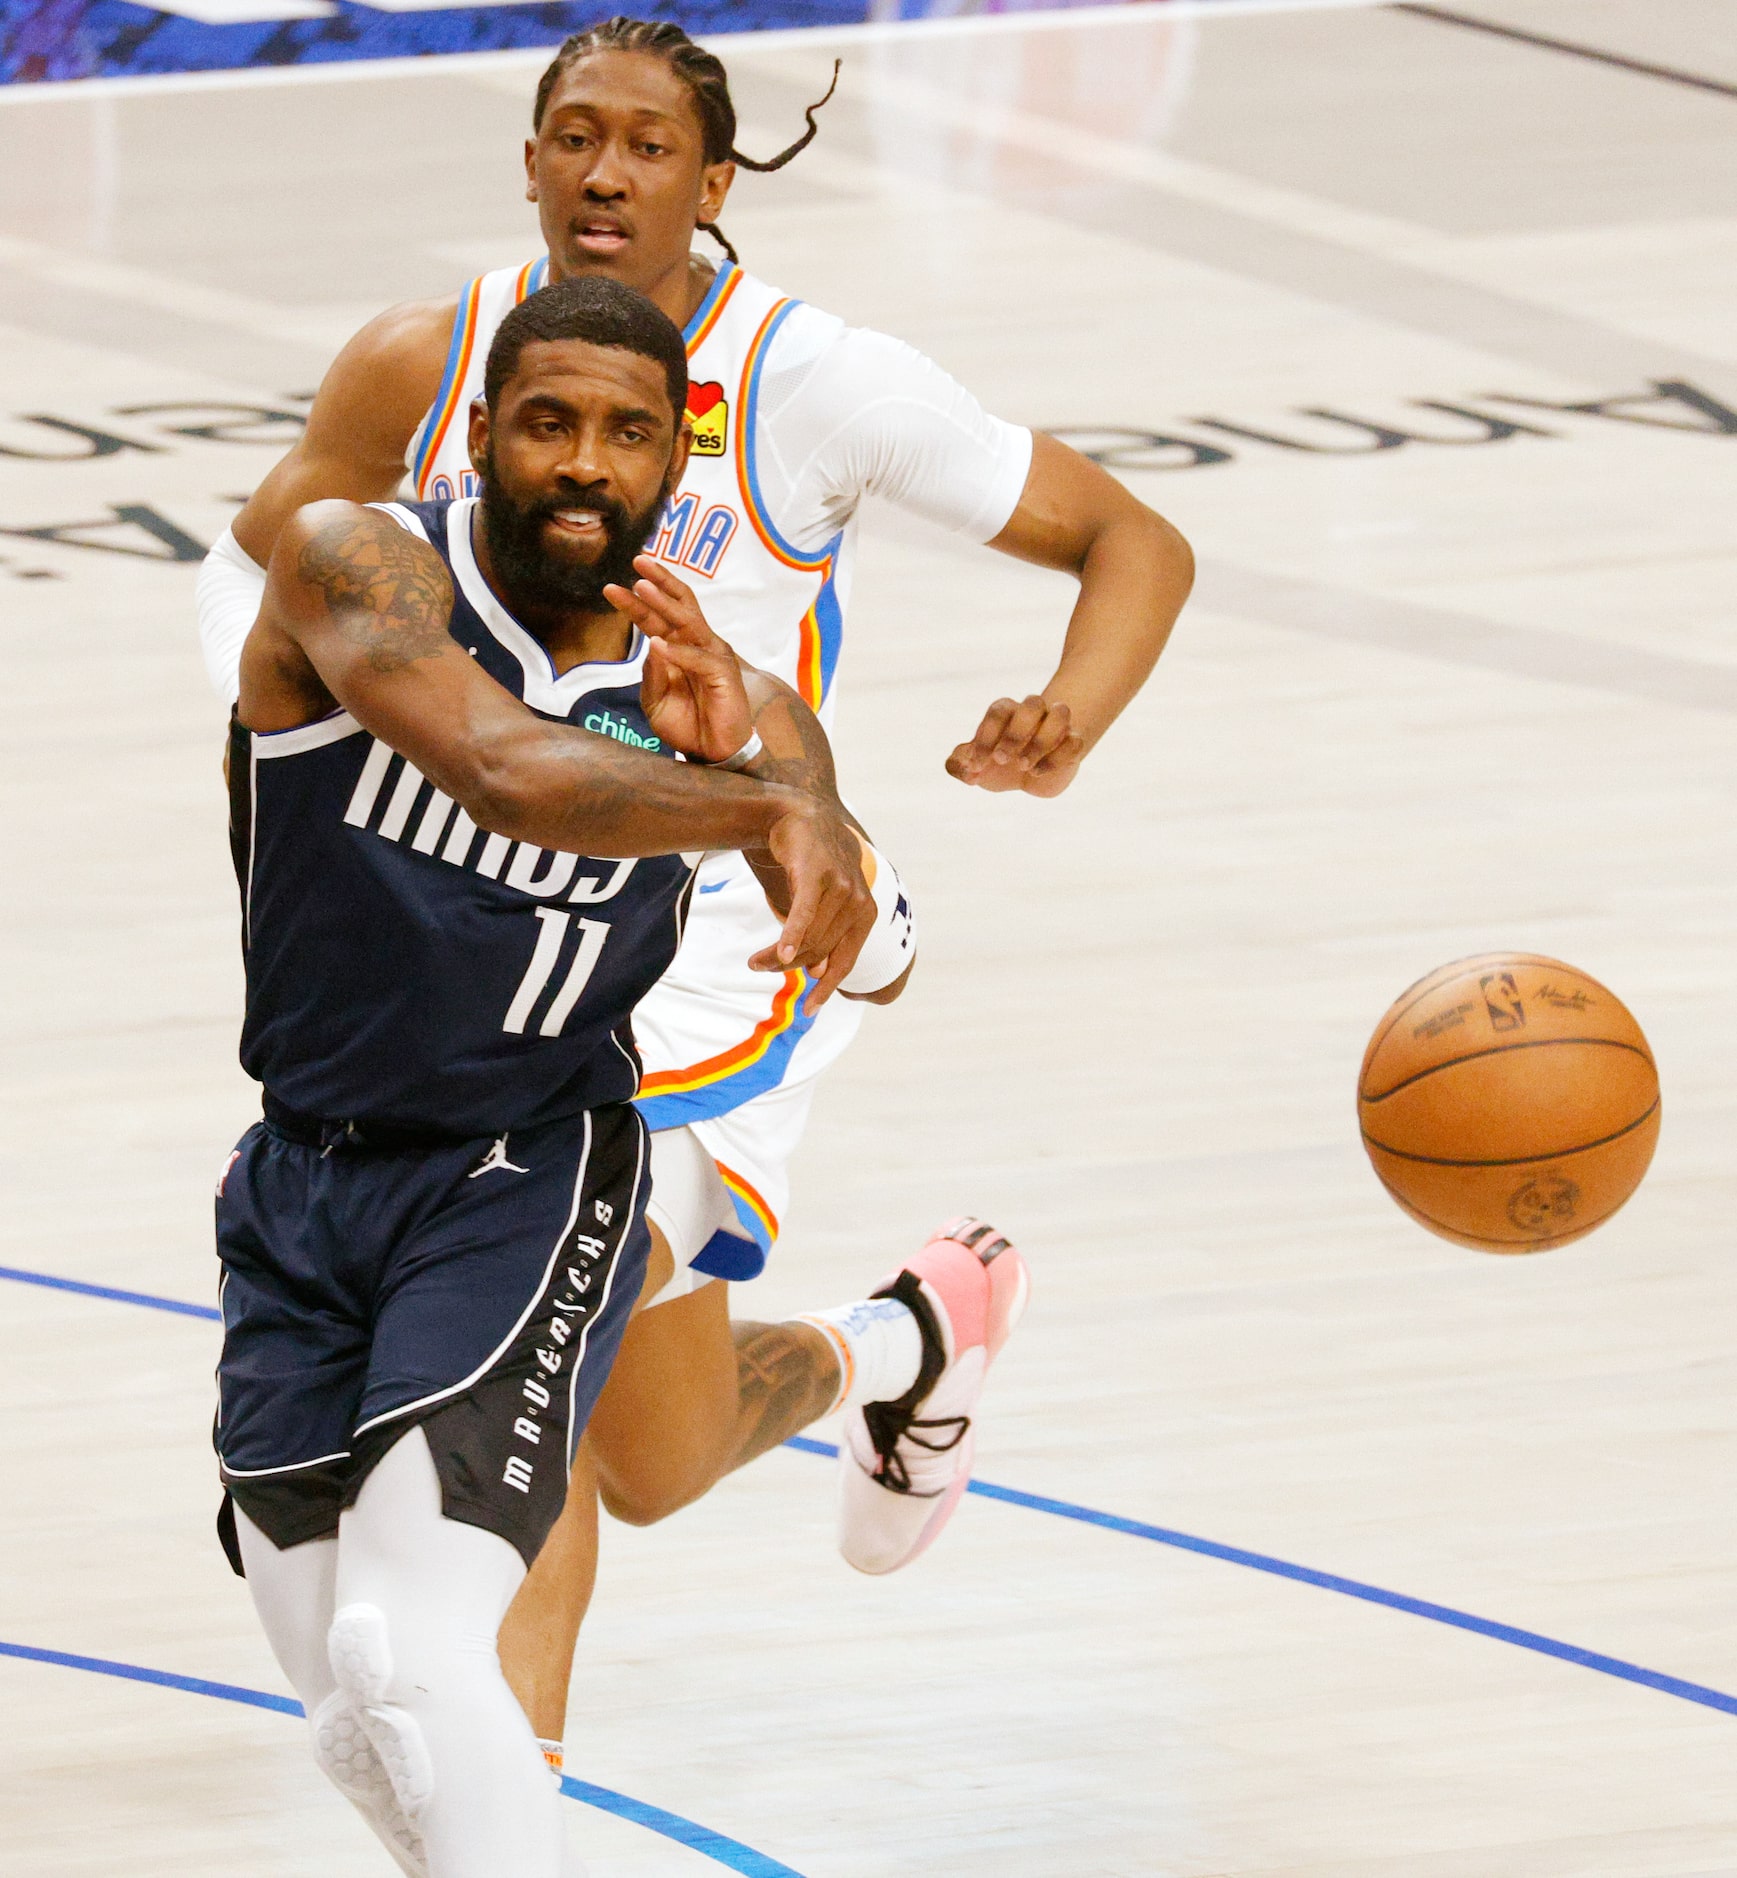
{"points": [[542, 578]]}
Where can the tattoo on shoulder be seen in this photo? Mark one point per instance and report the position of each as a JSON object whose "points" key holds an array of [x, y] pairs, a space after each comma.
{"points": [[389, 593]]}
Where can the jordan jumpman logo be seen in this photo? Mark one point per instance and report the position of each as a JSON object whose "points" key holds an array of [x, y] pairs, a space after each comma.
{"points": [[496, 1157]]}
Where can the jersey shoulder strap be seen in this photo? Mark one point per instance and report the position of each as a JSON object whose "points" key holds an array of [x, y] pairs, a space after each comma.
{"points": [[484, 303], [406, 518]]}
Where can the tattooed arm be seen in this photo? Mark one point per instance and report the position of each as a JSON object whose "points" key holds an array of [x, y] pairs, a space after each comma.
{"points": [[356, 615]]}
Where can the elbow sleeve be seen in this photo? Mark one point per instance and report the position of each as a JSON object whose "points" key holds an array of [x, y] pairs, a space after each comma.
{"points": [[230, 588]]}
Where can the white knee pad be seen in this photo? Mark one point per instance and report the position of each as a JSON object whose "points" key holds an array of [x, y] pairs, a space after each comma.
{"points": [[347, 1758], [361, 1656]]}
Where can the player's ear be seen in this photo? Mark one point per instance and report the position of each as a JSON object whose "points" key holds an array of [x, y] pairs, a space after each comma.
{"points": [[678, 461], [530, 169], [715, 181], [478, 438]]}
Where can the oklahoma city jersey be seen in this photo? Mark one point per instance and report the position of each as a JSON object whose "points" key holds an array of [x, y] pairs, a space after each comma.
{"points": [[713, 1034]]}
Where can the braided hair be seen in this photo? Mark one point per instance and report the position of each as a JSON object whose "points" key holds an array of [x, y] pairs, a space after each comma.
{"points": [[707, 82]]}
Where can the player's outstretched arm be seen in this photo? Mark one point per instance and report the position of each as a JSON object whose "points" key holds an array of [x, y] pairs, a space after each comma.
{"points": [[356, 612], [1135, 571]]}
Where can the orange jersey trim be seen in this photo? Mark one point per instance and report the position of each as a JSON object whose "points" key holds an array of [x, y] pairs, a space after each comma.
{"points": [[808, 668], [749, 1050], [711, 319], [467, 344], [744, 1191]]}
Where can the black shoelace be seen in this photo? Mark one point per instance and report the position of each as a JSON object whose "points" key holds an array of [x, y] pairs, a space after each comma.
{"points": [[888, 1425]]}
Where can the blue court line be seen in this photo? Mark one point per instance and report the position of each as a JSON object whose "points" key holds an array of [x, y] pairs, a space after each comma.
{"points": [[1346, 1587], [716, 1846], [150, 1303], [163, 1678], [701, 1839], [1532, 1640]]}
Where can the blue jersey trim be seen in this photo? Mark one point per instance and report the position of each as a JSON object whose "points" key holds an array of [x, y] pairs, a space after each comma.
{"points": [[448, 378], [729, 1255], [680, 1107], [829, 618], [750, 430]]}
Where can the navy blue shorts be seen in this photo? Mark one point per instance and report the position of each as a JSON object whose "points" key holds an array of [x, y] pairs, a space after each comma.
{"points": [[478, 1290]]}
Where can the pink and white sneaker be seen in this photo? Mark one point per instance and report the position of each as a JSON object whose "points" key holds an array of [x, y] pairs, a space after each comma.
{"points": [[905, 1465]]}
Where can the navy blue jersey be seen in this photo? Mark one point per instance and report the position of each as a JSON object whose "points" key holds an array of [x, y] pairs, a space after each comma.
{"points": [[407, 968]]}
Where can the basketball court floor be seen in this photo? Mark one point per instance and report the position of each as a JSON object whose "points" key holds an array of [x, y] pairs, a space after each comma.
{"points": [[1310, 1546]]}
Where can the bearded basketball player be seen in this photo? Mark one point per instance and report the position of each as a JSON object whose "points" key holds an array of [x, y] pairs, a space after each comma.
{"points": [[433, 1239], [795, 418]]}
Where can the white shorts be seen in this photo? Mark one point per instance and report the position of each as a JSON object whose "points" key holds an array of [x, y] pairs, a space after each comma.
{"points": [[720, 1186], [715, 1036], [731, 1059]]}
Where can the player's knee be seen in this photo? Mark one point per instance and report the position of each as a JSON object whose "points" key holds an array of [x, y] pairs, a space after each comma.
{"points": [[656, 1485]]}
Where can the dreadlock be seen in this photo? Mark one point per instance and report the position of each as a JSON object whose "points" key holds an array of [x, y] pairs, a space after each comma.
{"points": [[704, 75]]}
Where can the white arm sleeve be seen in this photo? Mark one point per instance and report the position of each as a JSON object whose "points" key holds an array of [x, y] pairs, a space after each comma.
{"points": [[229, 591], [845, 412]]}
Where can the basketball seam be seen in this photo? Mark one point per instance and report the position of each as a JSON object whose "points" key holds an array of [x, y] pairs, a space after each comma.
{"points": [[1519, 1160], [1449, 1229], [1502, 1049], [1433, 981]]}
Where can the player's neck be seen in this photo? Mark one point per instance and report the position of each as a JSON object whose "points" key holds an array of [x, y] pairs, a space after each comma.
{"points": [[580, 638], [571, 636]]}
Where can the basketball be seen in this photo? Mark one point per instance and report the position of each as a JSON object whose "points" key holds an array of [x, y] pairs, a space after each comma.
{"points": [[1509, 1102]]}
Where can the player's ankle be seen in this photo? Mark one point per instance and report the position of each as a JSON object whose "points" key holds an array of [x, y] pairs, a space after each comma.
{"points": [[878, 1346]]}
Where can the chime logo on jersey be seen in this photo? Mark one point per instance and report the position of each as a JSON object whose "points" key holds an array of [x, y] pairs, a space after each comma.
{"points": [[709, 413]]}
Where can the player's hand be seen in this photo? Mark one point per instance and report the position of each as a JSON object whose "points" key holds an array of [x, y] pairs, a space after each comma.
{"points": [[692, 691], [1031, 746], [811, 870]]}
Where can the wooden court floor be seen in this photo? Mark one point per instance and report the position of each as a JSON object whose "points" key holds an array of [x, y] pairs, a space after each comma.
{"points": [[1424, 334]]}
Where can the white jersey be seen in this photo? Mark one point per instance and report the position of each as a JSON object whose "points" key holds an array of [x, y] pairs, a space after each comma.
{"points": [[795, 418]]}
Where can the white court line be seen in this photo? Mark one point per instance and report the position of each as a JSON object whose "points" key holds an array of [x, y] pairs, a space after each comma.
{"points": [[324, 329], [1474, 261], [1292, 209], [441, 64]]}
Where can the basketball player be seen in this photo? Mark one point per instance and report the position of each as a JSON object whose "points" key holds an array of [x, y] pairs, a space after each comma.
{"points": [[795, 419], [433, 1240]]}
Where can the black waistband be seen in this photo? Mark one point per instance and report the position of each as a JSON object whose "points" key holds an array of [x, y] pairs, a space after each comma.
{"points": [[314, 1131]]}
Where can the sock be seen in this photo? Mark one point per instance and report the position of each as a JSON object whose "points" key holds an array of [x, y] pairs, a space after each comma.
{"points": [[879, 1346]]}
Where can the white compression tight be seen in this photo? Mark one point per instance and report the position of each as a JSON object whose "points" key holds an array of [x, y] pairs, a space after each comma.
{"points": [[387, 1633]]}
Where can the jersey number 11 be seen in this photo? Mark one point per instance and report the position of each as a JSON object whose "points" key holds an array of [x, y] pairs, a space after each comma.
{"points": [[551, 939]]}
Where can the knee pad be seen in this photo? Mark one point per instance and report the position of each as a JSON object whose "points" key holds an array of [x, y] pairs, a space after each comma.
{"points": [[347, 1757], [360, 1650]]}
